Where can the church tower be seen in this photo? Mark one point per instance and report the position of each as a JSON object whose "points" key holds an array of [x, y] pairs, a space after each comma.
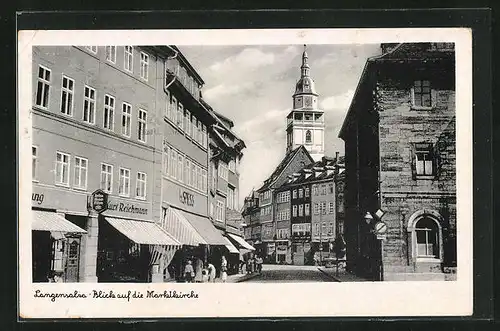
{"points": [[306, 122]]}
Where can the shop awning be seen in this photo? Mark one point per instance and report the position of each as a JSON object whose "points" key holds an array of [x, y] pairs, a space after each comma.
{"points": [[205, 228], [241, 242], [143, 232], [231, 247], [50, 221], [179, 227]]}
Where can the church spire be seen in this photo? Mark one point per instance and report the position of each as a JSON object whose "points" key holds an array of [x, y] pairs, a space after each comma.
{"points": [[304, 69]]}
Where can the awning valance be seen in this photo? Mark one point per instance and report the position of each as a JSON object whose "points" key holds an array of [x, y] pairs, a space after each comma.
{"points": [[143, 232], [178, 226], [50, 221], [230, 247], [205, 228], [241, 242]]}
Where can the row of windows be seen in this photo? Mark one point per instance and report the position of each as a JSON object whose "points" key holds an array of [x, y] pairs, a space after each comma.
{"points": [[301, 210], [223, 171], [266, 195], [89, 105], [220, 211], [320, 208], [80, 174], [182, 75], [283, 215], [128, 59], [301, 193], [282, 233], [301, 229], [181, 168], [325, 230], [322, 189], [265, 211], [185, 121], [283, 197], [232, 198]]}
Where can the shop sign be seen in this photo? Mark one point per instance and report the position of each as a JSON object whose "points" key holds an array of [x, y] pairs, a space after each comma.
{"points": [[127, 208], [99, 201], [37, 198], [271, 248], [186, 198]]}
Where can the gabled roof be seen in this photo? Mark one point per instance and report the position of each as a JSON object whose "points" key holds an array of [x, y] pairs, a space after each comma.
{"points": [[282, 166], [317, 171], [401, 53]]}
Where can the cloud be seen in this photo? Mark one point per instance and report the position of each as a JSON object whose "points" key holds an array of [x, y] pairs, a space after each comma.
{"points": [[340, 101], [247, 58]]}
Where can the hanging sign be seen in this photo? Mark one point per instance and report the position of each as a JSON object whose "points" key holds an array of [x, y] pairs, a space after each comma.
{"points": [[99, 201]]}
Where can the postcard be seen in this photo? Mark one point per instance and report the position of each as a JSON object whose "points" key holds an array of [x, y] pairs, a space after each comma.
{"points": [[245, 173]]}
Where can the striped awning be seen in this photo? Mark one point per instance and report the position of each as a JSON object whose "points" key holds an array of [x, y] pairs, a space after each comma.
{"points": [[178, 226], [50, 221], [143, 232], [230, 247], [205, 228], [241, 242]]}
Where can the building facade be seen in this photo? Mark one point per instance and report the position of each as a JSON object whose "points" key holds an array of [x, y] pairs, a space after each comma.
{"points": [[93, 117], [128, 121], [399, 138], [305, 123]]}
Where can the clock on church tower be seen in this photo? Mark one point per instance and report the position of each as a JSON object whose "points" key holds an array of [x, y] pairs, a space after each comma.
{"points": [[305, 123]]}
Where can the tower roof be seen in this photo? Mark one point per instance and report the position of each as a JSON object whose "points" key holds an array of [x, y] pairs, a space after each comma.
{"points": [[305, 85]]}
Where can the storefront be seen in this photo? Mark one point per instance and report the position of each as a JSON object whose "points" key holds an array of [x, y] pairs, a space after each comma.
{"points": [[55, 247], [131, 247], [283, 255]]}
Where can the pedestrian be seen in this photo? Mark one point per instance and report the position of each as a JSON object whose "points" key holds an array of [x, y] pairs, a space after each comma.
{"points": [[211, 272], [223, 269], [204, 275], [258, 262], [198, 267], [189, 272]]}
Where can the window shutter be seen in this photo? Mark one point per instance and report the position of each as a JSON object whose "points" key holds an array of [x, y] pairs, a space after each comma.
{"points": [[412, 97], [433, 98], [436, 157], [413, 160]]}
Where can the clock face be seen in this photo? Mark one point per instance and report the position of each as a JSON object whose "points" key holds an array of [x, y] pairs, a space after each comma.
{"points": [[308, 102], [298, 102]]}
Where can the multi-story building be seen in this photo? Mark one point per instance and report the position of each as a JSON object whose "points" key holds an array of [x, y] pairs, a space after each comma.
{"points": [[305, 123], [339, 180], [293, 161], [283, 208], [94, 117], [129, 121], [400, 159], [251, 217], [313, 212]]}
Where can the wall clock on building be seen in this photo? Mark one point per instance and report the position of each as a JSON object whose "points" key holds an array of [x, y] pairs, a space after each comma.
{"points": [[298, 102]]}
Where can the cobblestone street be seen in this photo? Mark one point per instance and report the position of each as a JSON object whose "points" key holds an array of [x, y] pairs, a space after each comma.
{"points": [[290, 274]]}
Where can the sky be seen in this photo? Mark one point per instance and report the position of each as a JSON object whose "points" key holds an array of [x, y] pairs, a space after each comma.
{"points": [[253, 85]]}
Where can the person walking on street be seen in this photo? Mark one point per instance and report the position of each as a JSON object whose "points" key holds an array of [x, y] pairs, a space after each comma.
{"points": [[198, 266], [223, 269], [259, 262], [189, 272], [211, 272]]}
